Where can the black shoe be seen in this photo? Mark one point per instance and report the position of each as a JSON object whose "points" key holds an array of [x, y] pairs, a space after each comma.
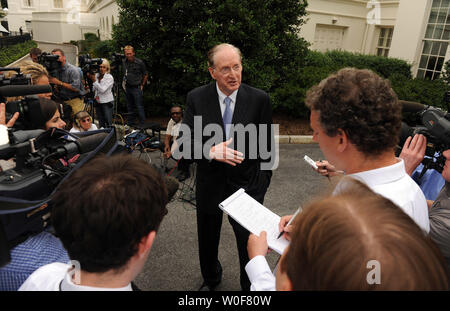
{"points": [[207, 288]]}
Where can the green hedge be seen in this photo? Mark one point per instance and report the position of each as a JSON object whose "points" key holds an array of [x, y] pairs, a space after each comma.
{"points": [[290, 99], [14, 52]]}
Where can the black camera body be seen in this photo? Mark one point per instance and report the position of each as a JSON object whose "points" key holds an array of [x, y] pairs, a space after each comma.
{"points": [[88, 64], [434, 124], [15, 79], [50, 62]]}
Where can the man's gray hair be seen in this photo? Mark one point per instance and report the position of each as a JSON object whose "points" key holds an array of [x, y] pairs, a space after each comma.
{"points": [[212, 52]]}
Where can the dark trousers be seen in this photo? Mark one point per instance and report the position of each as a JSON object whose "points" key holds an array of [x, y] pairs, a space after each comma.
{"points": [[135, 107], [208, 229], [104, 113]]}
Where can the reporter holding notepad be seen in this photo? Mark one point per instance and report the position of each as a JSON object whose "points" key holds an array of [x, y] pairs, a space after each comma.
{"points": [[335, 242]]}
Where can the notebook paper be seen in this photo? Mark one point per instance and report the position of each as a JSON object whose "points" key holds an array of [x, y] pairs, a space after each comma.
{"points": [[255, 217]]}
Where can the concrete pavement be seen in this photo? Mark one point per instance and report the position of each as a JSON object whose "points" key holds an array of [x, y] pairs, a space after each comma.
{"points": [[173, 263]]}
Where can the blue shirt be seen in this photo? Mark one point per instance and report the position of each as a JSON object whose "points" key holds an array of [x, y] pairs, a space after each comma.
{"points": [[431, 182], [35, 252]]}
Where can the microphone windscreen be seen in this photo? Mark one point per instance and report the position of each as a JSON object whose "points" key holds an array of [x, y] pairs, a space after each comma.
{"points": [[172, 185], [408, 106], [23, 90]]}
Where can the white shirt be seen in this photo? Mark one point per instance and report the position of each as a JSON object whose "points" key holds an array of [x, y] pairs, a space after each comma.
{"points": [[222, 97], [104, 89], [55, 277], [260, 275], [393, 183], [173, 128]]}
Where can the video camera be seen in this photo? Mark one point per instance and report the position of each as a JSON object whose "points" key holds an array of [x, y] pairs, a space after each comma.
{"points": [[50, 62], [88, 64], [16, 79], [42, 164], [434, 124]]}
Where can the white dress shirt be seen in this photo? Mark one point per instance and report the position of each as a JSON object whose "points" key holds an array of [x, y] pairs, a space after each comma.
{"points": [[393, 183], [260, 275], [57, 277], [103, 89], [222, 97]]}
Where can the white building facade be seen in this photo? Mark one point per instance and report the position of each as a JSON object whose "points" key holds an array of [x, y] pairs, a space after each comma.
{"points": [[60, 21], [417, 31]]}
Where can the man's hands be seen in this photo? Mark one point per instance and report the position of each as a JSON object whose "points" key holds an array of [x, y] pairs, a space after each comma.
{"points": [[54, 81], [167, 153], [413, 152], [224, 154], [3, 116], [325, 168], [286, 229], [257, 245]]}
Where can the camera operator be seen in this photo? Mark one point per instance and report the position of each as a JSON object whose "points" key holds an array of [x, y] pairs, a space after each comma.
{"points": [[68, 84], [34, 54], [413, 153], [103, 83], [42, 248], [135, 79]]}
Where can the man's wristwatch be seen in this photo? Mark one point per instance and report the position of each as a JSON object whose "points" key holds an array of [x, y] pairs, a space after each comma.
{"points": [[62, 83]]}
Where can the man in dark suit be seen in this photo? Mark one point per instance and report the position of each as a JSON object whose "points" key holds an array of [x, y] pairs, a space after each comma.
{"points": [[231, 163]]}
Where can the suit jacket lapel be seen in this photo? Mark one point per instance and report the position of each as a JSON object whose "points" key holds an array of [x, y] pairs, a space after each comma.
{"points": [[239, 113], [213, 105]]}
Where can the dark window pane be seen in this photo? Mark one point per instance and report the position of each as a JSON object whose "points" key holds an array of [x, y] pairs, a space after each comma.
{"points": [[379, 52], [429, 32], [423, 61], [433, 16], [420, 74], [391, 31], [436, 75], [435, 48], [445, 3], [442, 15], [436, 3], [438, 31], [446, 35], [443, 51], [388, 42], [439, 64], [427, 47], [431, 62], [380, 41], [428, 75], [382, 32], [386, 52]]}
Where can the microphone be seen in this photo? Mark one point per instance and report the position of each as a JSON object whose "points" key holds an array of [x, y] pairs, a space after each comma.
{"points": [[408, 106], [22, 90]]}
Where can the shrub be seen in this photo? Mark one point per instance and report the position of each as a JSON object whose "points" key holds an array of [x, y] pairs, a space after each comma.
{"points": [[15, 52]]}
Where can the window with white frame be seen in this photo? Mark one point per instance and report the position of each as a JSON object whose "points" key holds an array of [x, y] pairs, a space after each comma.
{"points": [[27, 3], [384, 41], [58, 4], [435, 42]]}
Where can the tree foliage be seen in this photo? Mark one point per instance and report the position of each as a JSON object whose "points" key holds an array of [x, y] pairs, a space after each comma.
{"points": [[173, 37]]}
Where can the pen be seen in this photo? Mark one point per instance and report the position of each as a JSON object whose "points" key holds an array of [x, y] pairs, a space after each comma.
{"points": [[328, 175], [290, 221]]}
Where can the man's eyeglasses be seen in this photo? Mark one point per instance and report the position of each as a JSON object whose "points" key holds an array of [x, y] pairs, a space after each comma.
{"points": [[175, 112], [227, 70]]}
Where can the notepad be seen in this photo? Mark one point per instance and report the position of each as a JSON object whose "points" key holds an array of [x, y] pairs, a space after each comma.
{"points": [[254, 217]]}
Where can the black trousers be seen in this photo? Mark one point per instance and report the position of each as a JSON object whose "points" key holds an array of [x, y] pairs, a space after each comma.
{"points": [[208, 229]]}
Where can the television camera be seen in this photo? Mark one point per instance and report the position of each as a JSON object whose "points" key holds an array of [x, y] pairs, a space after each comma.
{"points": [[43, 159], [50, 62], [434, 124]]}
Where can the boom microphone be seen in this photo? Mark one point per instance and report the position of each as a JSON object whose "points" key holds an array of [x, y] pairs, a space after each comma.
{"points": [[22, 90], [408, 106]]}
